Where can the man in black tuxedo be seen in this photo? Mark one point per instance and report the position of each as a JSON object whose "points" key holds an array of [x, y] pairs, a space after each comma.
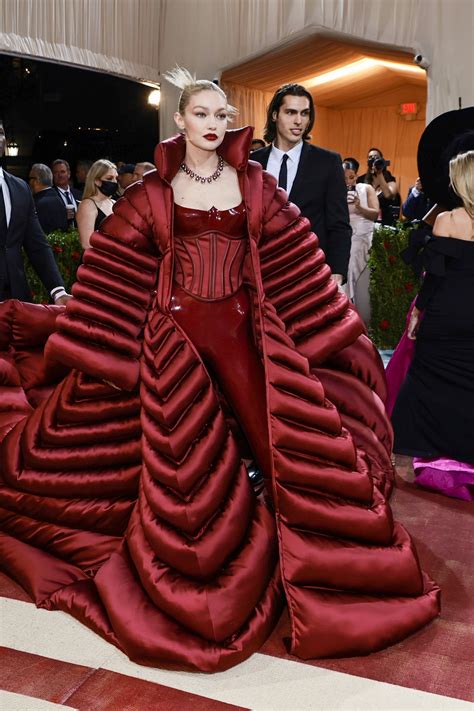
{"points": [[50, 208], [312, 176], [69, 195], [19, 227]]}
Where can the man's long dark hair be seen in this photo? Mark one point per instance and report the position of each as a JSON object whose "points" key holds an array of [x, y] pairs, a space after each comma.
{"points": [[269, 133]]}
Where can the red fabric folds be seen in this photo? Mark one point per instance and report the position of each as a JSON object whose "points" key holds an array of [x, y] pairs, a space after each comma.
{"points": [[131, 508]]}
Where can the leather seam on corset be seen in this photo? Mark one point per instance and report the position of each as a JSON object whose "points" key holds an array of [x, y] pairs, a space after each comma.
{"points": [[178, 265], [223, 268], [192, 264], [212, 256], [240, 277], [201, 261], [231, 265]]}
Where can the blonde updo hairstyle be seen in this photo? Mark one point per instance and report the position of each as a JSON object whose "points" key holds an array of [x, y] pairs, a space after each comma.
{"points": [[96, 172], [461, 174], [189, 85]]}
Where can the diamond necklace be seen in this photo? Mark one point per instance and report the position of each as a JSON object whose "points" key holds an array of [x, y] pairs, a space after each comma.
{"points": [[199, 178]]}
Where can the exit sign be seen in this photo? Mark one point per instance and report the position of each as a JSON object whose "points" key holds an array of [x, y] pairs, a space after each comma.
{"points": [[409, 109]]}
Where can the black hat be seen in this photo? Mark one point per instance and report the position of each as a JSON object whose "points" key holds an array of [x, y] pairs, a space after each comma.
{"points": [[443, 138], [126, 168]]}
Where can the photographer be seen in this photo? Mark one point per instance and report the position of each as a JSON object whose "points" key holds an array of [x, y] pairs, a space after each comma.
{"points": [[384, 184]]}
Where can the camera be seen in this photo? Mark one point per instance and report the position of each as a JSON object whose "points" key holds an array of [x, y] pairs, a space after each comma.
{"points": [[421, 61], [378, 163]]}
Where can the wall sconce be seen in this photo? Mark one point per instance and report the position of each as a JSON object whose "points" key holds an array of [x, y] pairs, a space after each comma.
{"points": [[12, 148], [154, 98]]}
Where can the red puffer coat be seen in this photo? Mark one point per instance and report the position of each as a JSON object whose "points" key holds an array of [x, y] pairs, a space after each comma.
{"points": [[126, 502]]}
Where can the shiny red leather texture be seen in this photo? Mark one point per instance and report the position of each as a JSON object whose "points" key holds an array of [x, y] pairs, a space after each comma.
{"points": [[210, 247], [126, 503]]}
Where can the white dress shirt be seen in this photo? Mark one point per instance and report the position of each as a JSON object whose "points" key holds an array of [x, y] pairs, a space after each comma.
{"points": [[6, 197], [62, 192], [274, 163]]}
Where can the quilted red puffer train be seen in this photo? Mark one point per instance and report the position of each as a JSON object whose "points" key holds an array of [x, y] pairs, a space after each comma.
{"points": [[124, 500]]}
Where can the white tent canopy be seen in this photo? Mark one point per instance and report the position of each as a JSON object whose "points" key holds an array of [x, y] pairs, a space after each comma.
{"points": [[140, 39]]}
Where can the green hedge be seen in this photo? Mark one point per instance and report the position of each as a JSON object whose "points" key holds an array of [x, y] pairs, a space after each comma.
{"points": [[67, 252], [393, 285]]}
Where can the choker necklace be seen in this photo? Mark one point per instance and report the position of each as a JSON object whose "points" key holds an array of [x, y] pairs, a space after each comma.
{"points": [[199, 178]]}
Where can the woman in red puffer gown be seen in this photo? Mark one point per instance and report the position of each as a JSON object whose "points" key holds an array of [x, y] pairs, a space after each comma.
{"points": [[204, 325]]}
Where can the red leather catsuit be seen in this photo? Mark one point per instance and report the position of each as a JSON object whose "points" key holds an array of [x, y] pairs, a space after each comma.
{"points": [[211, 304]]}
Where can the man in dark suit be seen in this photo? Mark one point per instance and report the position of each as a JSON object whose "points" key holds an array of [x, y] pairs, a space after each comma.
{"points": [[312, 176], [417, 203], [62, 184], [19, 227], [50, 208]]}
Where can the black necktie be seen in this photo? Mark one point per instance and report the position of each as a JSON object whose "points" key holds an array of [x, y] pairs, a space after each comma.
{"points": [[68, 197], [283, 175], [3, 217]]}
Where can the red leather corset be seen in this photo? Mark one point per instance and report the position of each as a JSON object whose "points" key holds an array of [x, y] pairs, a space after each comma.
{"points": [[210, 247]]}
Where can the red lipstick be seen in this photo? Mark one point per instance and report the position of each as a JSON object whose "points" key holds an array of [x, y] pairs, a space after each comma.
{"points": [[210, 137]]}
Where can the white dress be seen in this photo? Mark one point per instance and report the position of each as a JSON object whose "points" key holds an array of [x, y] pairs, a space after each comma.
{"points": [[357, 287]]}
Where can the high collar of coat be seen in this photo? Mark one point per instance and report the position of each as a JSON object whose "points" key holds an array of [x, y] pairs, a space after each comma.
{"points": [[234, 149]]}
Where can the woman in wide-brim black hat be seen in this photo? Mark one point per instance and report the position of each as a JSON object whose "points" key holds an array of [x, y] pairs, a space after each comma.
{"points": [[433, 417]]}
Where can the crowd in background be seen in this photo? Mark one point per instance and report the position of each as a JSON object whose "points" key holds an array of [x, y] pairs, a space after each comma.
{"points": [[61, 202], [372, 198]]}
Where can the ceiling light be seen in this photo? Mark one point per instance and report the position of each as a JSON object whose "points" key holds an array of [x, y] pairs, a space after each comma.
{"points": [[12, 147], [154, 98], [362, 66]]}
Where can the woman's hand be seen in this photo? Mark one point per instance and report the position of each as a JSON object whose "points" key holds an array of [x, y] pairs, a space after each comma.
{"points": [[414, 324], [356, 203]]}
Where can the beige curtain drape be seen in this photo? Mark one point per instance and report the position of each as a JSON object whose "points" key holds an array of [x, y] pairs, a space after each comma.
{"points": [[114, 36], [351, 132], [215, 35], [251, 105], [141, 38]]}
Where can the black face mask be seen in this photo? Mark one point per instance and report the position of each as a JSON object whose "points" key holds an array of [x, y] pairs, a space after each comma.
{"points": [[108, 187]]}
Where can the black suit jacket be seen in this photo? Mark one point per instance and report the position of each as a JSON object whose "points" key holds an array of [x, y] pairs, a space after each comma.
{"points": [[25, 231], [75, 192], [320, 192], [51, 210]]}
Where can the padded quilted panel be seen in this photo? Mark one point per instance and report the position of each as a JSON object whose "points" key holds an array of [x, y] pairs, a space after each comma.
{"points": [[35, 371], [32, 324], [6, 316]]}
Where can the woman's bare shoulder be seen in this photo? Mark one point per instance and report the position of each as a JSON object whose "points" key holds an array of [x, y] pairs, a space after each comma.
{"points": [[87, 205], [454, 223]]}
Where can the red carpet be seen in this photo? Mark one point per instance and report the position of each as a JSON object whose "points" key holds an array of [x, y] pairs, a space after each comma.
{"points": [[439, 658]]}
